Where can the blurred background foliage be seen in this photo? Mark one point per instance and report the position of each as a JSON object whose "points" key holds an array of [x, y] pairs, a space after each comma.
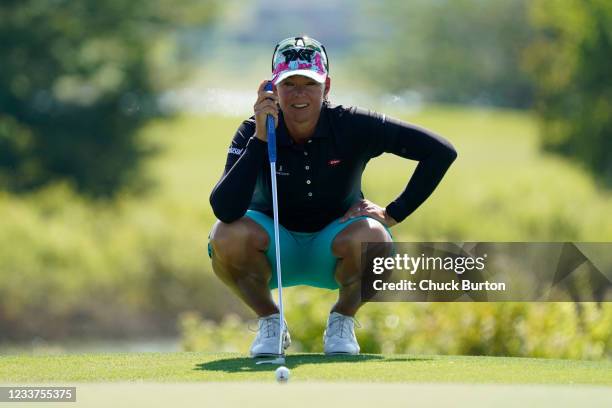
{"points": [[77, 79], [570, 61], [455, 51], [93, 105], [547, 330]]}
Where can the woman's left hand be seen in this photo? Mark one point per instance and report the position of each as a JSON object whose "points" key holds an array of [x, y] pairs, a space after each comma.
{"points": [[368, 208]]}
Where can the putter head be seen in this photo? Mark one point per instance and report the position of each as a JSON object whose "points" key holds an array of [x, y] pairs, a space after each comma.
{"points": [[278, 360]]}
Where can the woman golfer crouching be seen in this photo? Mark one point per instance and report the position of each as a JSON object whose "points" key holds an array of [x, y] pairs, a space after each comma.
{"points": [[322, 151]]}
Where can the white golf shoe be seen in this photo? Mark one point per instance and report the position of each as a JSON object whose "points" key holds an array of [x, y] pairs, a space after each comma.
{"points": [[339, 336], [266, 341]]}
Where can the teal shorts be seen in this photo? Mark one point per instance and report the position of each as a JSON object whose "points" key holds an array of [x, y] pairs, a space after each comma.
{"points": [[306, 257]]}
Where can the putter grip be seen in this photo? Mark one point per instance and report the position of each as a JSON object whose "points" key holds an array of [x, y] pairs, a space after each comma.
{"points": [[271, 132]]}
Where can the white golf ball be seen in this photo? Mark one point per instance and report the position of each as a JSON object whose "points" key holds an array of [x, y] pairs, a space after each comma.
{"points": [[282, 374]]}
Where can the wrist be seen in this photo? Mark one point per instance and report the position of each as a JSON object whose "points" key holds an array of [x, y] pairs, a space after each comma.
{"points": [[389, 220], [263, 139]]}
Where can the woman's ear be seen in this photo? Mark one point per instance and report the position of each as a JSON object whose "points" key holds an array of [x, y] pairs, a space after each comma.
{"points": [[327, 87]]}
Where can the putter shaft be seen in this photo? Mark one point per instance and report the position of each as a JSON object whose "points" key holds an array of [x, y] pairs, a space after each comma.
{"points": [[272, 157]]}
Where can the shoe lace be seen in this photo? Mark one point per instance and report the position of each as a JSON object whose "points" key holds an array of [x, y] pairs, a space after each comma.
{"points": [[341, 325], [266, 326]]}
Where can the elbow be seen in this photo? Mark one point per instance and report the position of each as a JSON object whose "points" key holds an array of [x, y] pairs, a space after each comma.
{"points": [[450, 153], [224, 213], [219, 210], [226, 217]]}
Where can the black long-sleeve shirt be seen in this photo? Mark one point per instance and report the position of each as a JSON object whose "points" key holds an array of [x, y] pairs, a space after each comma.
{"points": [[319, 180]]}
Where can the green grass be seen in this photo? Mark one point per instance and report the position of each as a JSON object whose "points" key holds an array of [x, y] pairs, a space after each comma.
{"points": [[158, 380], [187, 367]]}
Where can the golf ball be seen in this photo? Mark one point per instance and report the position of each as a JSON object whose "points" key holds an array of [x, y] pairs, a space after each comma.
{"points": [[282, 374]]}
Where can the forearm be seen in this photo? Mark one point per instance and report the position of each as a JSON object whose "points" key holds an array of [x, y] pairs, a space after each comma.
{"points": [[426, 177], [232, 195]]}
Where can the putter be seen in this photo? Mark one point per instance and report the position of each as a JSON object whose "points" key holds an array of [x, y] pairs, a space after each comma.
{"points": [[272, 157]]}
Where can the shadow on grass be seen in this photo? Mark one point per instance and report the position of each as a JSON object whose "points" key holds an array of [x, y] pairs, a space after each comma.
{"points": [[245, 364]]}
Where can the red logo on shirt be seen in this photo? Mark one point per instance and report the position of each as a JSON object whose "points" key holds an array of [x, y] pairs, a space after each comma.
{"points": [[334, 162]]}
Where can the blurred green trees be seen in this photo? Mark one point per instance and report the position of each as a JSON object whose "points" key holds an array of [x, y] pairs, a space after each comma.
{"points": [[454, 51], [571, 62], [554, 55], [77, 80]]}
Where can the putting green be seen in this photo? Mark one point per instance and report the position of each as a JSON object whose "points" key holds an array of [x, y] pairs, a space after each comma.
{"points": [[370, 368]]}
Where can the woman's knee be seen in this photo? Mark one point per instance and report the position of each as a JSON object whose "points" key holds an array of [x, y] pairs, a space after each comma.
{"points": [[349, 241], [238, 239]]}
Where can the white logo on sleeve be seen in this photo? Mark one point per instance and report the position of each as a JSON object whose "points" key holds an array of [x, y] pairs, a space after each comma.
{"points": [[235, 150]]}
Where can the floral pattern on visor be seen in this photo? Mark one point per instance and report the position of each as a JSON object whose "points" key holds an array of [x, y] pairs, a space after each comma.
{"points": [[299, 56]]}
